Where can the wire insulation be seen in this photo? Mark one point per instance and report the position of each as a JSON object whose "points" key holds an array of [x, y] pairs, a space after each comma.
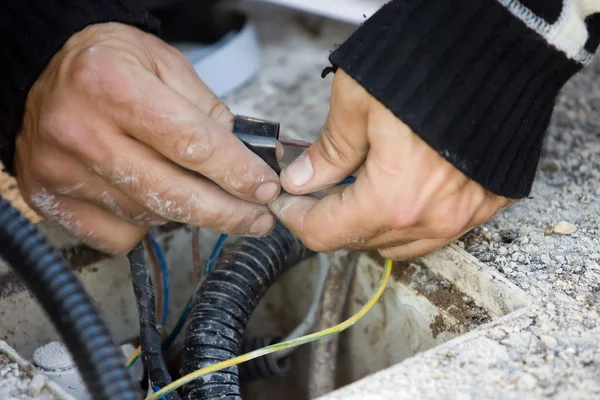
{"points": [[215, 254], [196, 253], [150, 338], [283, 345], [64, 299], [134, 357], [157, 278], [164, 269], [295, 143]]}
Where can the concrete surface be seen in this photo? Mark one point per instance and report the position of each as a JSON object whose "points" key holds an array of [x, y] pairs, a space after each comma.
{"points": [[549, 347]]}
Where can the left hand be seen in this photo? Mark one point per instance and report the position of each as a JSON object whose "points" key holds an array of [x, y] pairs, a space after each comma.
{"points": [[407, 199]]}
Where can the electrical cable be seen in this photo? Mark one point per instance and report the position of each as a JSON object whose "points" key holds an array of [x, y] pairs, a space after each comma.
{"points": [[158, 277], [162, 272], [311, 316], [62, 296], [226, 300], [150, 338], [295, 143], [215, 253], [164, 268], [283, 345], [134, 357], [188, 307], [196, 253], [349, 180], [208, 267]]}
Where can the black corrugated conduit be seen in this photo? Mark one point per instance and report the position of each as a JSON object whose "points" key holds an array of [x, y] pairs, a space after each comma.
{"points": [[224, 304], [263, 367], [150, 340], [59, 292]]}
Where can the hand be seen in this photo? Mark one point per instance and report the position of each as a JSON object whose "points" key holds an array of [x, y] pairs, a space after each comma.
{"points": [[120, 134], [407, 199]]}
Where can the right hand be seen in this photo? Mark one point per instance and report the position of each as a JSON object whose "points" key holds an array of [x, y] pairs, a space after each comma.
{"points": [[119, 134]]}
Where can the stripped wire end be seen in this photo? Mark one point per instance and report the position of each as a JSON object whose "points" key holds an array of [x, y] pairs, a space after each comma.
{"points": [[295, 143]]}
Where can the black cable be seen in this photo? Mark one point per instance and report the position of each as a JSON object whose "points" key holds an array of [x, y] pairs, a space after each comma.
{"points": [[63, 298], [263, 367], [150, 340], [224, 304]]}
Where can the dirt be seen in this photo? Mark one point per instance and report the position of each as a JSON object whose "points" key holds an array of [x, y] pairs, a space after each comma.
{"points": [[443, 294]]}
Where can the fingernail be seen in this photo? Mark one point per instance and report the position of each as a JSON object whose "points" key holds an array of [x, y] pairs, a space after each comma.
{"points": [[266, 192], [262, 225], [300, 171]]}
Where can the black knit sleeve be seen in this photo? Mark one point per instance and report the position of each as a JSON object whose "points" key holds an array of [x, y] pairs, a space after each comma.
{"points": [[31, 32], [476, 79]]}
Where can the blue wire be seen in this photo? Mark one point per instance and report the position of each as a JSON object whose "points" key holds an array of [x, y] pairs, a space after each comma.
{"points": [[165, 278], [156, 389], [212, 259], [347, 181], [215, 253]]}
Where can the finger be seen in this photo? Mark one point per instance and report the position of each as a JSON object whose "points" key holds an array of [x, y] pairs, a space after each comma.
{"points": [[60, 173], [420, 247], [339, 150], [111, 199], [89, 223], [179, 195], [339, 220], [157, 116], [175, 71], [413, 249]]}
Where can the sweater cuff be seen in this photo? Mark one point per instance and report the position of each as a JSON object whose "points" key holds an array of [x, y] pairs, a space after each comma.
{"points": [[33, 31], [469, 77]]}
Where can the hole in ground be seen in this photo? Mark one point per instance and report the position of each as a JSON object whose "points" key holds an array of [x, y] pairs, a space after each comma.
{"points": [[428, 302]]}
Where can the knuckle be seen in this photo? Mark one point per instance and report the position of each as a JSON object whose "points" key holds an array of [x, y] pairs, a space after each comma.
{"points": [[194, 147], [219, 111], [406, 218], [97, 75], [47, 169], [64, 129], [232, 222], [219, 216], [170, 203], [85, 68]]}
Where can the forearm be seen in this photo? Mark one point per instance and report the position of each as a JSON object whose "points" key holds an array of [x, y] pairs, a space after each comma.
{"points": [[476, 79], [32, 31]]}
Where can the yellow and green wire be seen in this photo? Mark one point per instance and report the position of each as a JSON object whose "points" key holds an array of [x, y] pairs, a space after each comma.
{"points": [[284, 345]]}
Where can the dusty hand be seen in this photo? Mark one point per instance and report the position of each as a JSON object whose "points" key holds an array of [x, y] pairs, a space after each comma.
{"points": [[407, 199], [120, 134]]}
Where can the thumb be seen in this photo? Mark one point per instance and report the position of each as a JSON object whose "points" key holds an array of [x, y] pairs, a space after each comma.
{"points": [[338, 152]]}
